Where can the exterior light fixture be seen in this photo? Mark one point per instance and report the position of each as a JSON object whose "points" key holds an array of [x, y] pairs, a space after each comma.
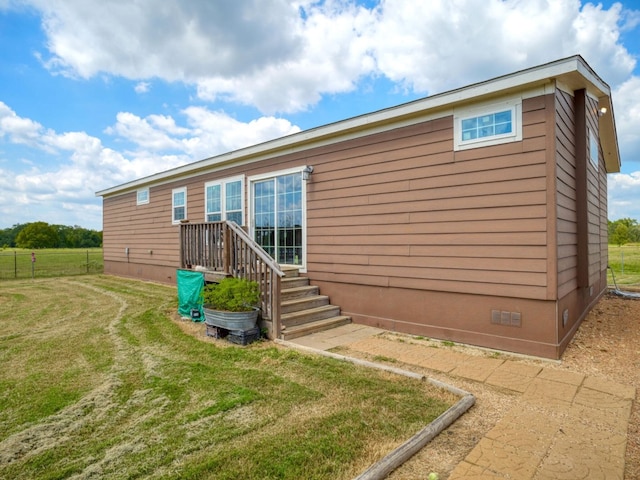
{"points": [[602, 111], [306, 172]]}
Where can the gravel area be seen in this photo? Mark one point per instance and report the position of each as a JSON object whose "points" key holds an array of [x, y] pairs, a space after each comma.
{"points": [[608, 345]]}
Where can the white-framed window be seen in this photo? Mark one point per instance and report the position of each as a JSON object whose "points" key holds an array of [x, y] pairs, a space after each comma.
{"points": [[224, 200], [487, 125], [593, 149], [179, 204], [278, 215], [142, 196]]}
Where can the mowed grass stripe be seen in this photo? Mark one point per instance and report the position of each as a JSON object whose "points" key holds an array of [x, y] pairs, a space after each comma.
{"points": [[100, 380]]}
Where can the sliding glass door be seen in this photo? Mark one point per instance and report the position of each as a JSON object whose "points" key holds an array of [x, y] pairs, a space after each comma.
{"points": [[278, 217]]}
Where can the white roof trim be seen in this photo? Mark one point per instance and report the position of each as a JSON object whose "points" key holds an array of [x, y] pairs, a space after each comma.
{"points": [[573, 72]]}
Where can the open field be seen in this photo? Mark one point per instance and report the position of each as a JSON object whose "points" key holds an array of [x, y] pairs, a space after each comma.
{"points": [[100, 380], [16, 263], [625, 261]]}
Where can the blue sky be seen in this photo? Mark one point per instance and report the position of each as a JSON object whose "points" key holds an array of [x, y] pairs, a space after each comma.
{"points": [[96, 93]]}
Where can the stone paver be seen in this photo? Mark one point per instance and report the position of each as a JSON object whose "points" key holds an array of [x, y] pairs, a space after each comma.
{"points": [[561, 376], [477, 369], [568, 426], [545, 391], [513, 376], [612, 388]]}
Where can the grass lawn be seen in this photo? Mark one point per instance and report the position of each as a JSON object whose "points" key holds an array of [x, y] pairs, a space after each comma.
{"points": [[15, 263], [625, 261], [99, 380]]}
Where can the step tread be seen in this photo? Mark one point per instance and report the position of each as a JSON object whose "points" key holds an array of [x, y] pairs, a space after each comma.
{"points": [[298, 289], [305, 299], [315, 326], [308, 311], [295, 281]]}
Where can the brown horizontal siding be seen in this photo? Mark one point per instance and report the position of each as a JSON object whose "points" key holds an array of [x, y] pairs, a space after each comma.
{"points": [[473, 222], [439, 204], [472, 251]]}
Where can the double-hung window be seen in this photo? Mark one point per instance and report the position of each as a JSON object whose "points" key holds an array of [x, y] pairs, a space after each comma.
{"points": [[179, 204], [224, 200], [487, 125]]}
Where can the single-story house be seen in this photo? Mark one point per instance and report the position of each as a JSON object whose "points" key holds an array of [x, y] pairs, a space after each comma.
{"points": [[477, 215]]}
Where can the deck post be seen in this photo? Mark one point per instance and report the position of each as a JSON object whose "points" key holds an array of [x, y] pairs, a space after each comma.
{"points": [[226, 252], [275, 304]]}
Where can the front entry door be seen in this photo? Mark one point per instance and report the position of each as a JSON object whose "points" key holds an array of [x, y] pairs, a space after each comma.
{"points": [[278, 217]]}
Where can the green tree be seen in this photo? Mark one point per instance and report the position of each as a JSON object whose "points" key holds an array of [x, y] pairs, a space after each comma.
{"points": [[38, 235], [632, 230], [8, 235], [620, 235]]}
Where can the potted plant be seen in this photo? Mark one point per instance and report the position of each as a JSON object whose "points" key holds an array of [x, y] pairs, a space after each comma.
{"points": [[232, 304]]}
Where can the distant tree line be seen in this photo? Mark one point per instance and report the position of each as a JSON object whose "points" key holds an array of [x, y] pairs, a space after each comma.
{"points": [[625, 230], [43, 235]]}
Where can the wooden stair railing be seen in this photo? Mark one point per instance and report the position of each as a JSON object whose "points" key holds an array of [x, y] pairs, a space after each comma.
{"points": [[227, 248]]}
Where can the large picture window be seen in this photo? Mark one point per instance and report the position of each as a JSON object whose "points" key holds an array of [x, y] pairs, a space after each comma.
{"points": [[224, 200], [278, 204]]}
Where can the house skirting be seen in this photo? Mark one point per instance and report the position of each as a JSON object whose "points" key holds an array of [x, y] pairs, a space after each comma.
{"points": [[141, 271], [464, 318]]}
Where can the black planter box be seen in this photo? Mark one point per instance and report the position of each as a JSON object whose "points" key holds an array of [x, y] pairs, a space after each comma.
{"points": [[244, 337], [216, 332]]}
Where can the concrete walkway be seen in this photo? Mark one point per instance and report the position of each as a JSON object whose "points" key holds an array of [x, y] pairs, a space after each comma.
{"points": [[568, 426]]}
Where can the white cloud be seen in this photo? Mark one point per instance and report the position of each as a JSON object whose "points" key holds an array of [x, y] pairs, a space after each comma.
{"points": [[623, 195], [486, 38], [176, 41], [282, 56], [142, 87], [17, 129], [626, 101], [143, 133], [217, 132]]}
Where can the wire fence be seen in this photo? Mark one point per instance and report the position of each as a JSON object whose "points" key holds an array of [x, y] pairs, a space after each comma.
{"points": [[18, 264]]}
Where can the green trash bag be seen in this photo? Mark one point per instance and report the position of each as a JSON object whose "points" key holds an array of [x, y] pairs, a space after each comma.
{"points": [[190, 285]]}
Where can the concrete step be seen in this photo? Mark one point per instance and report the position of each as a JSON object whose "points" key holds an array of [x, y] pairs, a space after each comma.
{"points": [[304, 303], [296, 331], [309, 315]]}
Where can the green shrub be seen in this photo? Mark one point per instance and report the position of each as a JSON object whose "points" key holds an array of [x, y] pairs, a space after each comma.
{"points": [[232, 295]]}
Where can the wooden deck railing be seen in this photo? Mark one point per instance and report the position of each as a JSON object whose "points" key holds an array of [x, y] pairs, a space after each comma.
{"points": [[224, 247]]}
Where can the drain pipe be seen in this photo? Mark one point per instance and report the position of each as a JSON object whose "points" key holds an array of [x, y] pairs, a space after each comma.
{"points": [[619, 292], [382, 468]]}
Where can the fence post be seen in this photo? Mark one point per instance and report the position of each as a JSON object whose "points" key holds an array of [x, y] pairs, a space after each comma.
{"points": [[87, 261], [15, 264]]}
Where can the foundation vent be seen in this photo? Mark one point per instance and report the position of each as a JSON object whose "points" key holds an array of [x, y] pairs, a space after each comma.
{"points": [[510, 319]]}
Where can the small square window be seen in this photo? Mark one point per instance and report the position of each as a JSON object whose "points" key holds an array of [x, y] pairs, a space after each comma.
{"points": [[142, 197]]}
